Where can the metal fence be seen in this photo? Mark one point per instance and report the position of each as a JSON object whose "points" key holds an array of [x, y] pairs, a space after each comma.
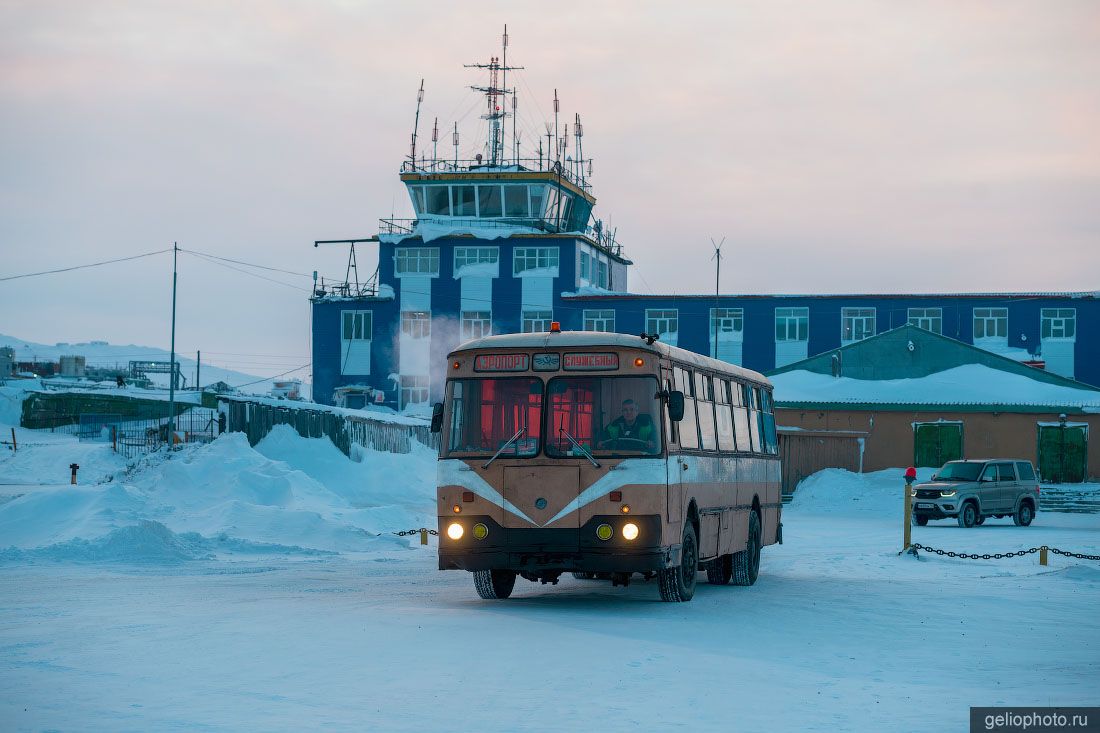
{"points": [[132, 437], [256, 419]]}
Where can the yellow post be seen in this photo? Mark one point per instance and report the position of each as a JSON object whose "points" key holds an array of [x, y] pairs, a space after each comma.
{"points": [[1043, 555], [423, 536], [907, 526]]}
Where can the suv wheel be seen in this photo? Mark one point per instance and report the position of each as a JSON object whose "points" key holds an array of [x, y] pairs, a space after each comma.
{"points": [[1024, 514], [980, 520], [968, 515]]}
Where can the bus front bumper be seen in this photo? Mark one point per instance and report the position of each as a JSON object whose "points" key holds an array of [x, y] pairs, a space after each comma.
{"points": [[573, 549]]}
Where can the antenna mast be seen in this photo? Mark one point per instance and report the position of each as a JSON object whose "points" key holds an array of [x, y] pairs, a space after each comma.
{"points": [[557, 145], [495, 111], [435, 143], [717, 256], [416, 124], [455, 140]]}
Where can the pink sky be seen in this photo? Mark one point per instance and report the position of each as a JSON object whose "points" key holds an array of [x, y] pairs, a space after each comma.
{"points": [[839, 147]]}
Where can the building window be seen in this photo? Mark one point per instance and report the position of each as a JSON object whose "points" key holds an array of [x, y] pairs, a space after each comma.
{"points": [[856, 324], [475, 255], [438, 200], [414, 389], [537, 321], [792, 324], [357, 325], [728, 323], [417, 261], [464, 200], [476, 324], [1059, 323], [930, 319], [990, 323], [416, 324], [601, 275], [586, 267], [515, 201], [664, 323], [525, 259], [599, 320]]}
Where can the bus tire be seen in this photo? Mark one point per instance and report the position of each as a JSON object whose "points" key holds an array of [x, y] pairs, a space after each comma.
{"points": [[584, 576], [494, 584], [720, 570], [678, 584], [746, 564]]}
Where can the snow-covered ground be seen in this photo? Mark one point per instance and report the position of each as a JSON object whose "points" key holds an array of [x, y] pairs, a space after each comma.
{"points": [[233, 588]]}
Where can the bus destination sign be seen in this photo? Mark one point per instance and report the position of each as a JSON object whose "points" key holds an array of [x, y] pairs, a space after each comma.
{"points": [[501, 362], [580, 362]]}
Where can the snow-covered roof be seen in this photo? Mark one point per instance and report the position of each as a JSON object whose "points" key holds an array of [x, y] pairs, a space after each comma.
{"points": [[598, 339], [967, 385]]}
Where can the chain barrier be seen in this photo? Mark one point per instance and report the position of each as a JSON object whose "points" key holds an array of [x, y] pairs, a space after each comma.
{"points": [[912, 550], [407, 532]]}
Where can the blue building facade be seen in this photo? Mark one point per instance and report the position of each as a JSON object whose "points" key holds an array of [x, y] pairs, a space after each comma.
{"points": [[434, 293]]}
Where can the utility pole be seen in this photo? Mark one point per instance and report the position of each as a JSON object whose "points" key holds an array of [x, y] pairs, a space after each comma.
{"points": [[172, 358], [198, 366], [717, 256]]}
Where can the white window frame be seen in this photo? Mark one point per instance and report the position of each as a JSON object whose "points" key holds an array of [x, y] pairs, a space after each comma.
{"points": [[414, 388], [849, 317], [734, 318], [1057, 319], [930, 319], [659, 320], [599, 320], [361, 321], [421, 257], [526, 259], [792, 320], [475, 256], [476, 324], [995, 317], [416, 324], [536, 321]]}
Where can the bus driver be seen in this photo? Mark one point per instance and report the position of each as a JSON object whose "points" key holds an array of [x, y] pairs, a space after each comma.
{"points": [[631, 430]]}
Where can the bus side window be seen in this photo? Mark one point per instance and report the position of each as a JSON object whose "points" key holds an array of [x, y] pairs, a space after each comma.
{"points": [[741, 419], [705, 392], [689, 435], [770, 440], [723, 417], [752, 399]]}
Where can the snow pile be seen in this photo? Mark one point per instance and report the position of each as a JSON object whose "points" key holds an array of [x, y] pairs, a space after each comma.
{"points": [[12, 394], [289, 495], [964, 385], [837, 491], [42, 457]]}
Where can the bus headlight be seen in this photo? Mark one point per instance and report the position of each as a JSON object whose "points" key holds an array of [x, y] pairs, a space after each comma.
{"points": [[604, 532], [455, 531], [480, 531], [630, 531]]}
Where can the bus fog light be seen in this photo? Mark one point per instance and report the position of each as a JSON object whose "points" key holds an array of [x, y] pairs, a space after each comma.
{"points": [[455, 531], [625, 509], [480, 531], [630, 531], [604, 532]]}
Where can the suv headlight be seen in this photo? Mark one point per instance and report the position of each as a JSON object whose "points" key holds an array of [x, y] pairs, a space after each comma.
{"points": [[948, 493]]}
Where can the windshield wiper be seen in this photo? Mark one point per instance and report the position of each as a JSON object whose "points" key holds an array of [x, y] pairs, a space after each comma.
{"points": [[504, 447], [578, 446]]}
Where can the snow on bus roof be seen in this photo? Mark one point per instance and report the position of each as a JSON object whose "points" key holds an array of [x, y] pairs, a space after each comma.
{"points": [[596, 339]]}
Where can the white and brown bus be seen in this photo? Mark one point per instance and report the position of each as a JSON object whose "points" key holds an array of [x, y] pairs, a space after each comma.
{"points": [[603, 455]]}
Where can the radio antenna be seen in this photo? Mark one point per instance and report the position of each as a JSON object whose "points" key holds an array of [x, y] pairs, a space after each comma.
{"points": [[416, 124], [435, 143], [717, 257], [455, 140]]}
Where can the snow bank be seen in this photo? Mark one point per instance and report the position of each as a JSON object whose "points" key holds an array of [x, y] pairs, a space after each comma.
{"points": [[288, 495], [837, 491], [12, 394], [43, 458]]}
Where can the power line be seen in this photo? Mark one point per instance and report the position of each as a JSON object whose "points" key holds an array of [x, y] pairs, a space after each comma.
{"points": [[249, 384], [81, 267], [243, 272], [248, 264]]}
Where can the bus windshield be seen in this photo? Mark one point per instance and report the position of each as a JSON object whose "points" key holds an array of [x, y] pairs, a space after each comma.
{"points": [[488, 413], [606, 416]]}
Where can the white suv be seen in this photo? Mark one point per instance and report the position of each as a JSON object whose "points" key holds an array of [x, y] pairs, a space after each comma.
{"points": [[973, 490]]}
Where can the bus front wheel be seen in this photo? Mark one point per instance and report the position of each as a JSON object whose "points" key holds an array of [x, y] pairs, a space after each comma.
{"points": [[678, 583], [494, 584], [746, 564]]}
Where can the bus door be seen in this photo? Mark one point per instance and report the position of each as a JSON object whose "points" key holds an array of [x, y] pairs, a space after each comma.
{"points": [[678, 466]]}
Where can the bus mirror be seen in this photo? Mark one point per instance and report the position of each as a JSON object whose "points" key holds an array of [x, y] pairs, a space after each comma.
{"points": [[676, 406], [437, 417]]}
